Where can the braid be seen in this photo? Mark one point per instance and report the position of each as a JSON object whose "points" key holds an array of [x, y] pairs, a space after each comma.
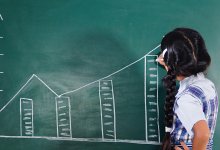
{"points": [[169, 82]]}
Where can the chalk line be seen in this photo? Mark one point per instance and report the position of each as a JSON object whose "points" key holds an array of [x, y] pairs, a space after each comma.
{"points": [[77, 88], [82, 139], [23, 88], [111, 73], [1, 17]]}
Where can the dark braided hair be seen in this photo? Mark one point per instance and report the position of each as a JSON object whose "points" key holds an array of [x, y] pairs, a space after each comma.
{"points": [[186, 55]]}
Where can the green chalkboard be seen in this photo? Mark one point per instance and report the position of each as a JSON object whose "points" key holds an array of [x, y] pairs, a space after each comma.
{"points": [[81, 74]]}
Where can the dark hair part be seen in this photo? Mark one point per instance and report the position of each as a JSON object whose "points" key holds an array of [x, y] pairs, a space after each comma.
{"points": [[186, 55]]}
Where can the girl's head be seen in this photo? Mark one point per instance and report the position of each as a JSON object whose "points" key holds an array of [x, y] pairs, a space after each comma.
{"points": [[183, 53]]}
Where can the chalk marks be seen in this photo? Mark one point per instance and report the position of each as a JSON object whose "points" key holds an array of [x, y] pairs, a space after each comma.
{"points": [[1, 18], [1, 54], [63, 117], [28, 81], [107, 108], [123, 68], [26, 117], [151, 99], [81, 139]]}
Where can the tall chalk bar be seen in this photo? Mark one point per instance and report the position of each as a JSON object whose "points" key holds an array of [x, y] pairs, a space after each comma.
{"points": [[63, 117], [107, 108], [151, 99]]}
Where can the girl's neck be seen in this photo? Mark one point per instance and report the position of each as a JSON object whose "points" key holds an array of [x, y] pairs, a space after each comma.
{"points": [[180, 78]]}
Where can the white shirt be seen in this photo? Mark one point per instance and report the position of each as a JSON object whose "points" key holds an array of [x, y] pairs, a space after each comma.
{"points": [[188, 109]]}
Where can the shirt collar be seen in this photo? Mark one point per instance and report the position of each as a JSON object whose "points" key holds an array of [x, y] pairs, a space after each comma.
{"points": [[188, 81]]}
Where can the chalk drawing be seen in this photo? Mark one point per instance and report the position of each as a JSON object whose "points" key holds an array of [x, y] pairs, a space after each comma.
{"points": [[107, 104], [1, 18]]}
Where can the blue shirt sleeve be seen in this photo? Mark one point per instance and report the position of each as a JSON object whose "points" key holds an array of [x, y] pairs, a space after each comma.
{"points": [[189, 110]]}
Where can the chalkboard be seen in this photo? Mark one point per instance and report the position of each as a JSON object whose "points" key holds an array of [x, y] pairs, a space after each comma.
{"points": [[82, 74]]}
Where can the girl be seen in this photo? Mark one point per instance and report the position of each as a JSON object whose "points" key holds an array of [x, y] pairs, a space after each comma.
{"points": [[190, 112]]}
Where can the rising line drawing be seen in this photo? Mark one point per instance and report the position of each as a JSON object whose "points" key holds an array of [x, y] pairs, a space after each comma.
{"points": [[107, 108]]}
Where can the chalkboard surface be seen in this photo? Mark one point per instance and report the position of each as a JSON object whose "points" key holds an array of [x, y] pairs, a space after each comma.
{"points": [[82, 74]]}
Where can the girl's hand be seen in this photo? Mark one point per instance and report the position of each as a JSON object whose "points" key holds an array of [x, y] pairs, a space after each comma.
{"points": [[183, 145], [160, 60]]}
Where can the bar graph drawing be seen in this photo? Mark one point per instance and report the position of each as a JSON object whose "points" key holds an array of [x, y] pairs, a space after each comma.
{"points": [[108, 110]]}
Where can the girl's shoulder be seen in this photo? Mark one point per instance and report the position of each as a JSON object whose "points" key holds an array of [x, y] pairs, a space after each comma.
{"points": [[202, 88], [205, 86]]}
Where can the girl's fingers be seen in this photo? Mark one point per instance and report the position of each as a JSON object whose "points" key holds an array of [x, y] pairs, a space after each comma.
{"points": [[177, 148], [184, 146]]}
